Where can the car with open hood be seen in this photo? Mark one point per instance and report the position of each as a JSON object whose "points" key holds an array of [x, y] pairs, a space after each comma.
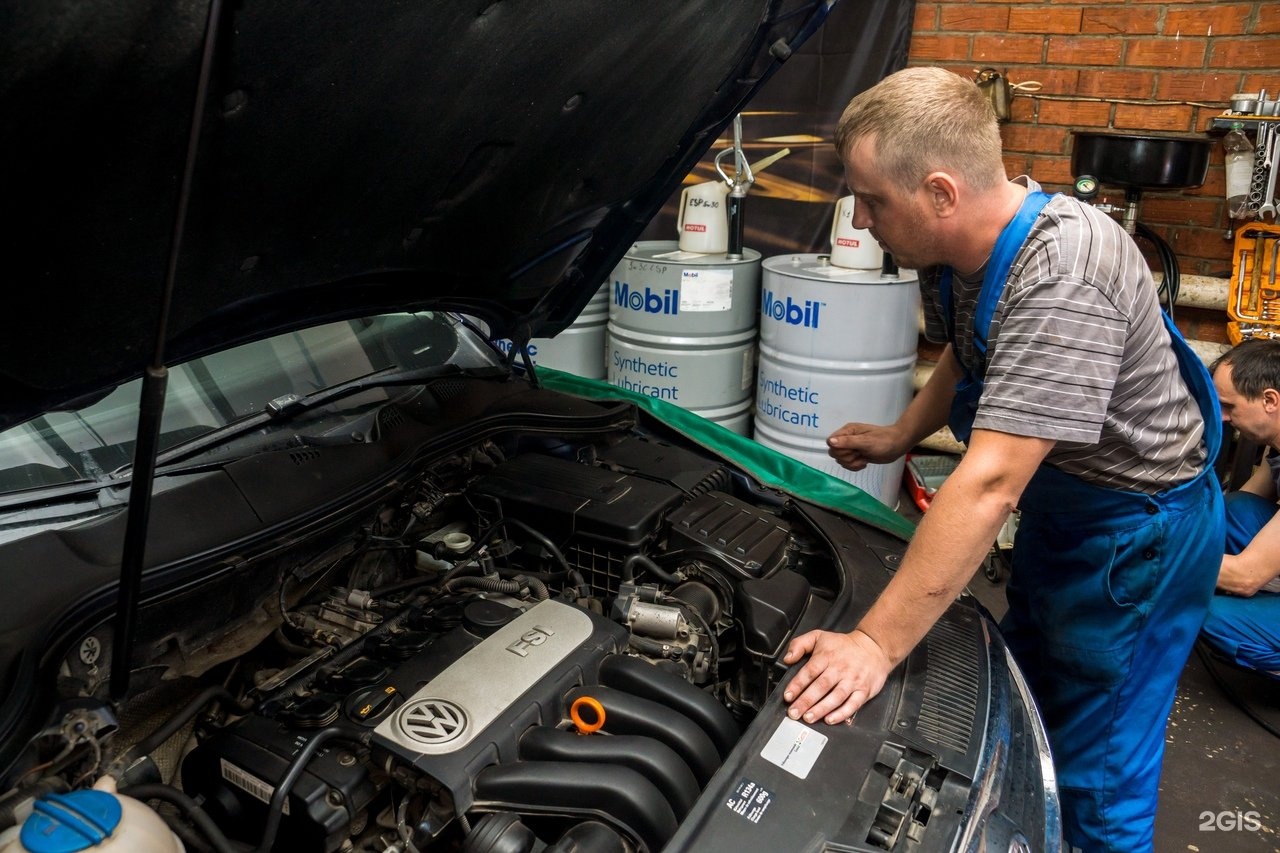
{"points": [[296, 557]]}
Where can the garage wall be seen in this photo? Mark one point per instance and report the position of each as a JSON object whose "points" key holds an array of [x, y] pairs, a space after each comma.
{"points": [[1115, 64]]}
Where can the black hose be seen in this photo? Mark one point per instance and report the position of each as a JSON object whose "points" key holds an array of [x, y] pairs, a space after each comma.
{"points": [[546, 543], [190, 808], [175, 723], [1168, 263], [515, 586], [638, 559], [276, 809]]}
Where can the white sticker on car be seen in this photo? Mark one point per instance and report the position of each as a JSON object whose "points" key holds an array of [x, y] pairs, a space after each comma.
{"points": [[250, 784], [794, 747]]}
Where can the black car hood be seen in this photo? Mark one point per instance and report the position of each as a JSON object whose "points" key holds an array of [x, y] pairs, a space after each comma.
{"points": [[496, 157]]}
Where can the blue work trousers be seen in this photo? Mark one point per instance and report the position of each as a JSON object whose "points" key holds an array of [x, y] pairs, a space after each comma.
{"points": [[1246, 630], [1106, 596]]}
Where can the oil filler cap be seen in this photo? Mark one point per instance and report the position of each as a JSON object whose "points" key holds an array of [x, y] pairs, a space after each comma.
{"points": [[484, 616], [68, 823]]}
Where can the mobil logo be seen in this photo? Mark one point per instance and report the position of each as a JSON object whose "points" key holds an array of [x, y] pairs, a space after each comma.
{"points": [[649, 301], [789, 311]]}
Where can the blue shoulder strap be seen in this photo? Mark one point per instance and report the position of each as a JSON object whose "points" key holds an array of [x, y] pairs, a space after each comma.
{"points": [[993, 280]]}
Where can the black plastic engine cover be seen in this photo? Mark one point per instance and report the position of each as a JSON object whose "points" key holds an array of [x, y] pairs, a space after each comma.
{"points": [[747, 539], [567, 499], [236, 772]]}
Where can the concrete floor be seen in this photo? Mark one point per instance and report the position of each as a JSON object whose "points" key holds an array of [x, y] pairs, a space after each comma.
{"points": [[1220, 787], [1219, 764]]}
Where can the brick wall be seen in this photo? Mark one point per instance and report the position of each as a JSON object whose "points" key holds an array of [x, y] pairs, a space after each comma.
{"points": [[1126, 65]]}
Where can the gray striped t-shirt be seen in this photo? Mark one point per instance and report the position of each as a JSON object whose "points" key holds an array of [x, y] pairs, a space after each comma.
{"points": [[1077, 352]]}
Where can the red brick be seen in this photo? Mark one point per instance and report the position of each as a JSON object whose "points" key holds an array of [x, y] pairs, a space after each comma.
{"points": [[925, 47], [1158, 117], [1052, 170], [925, 19], [1038, 19], [1198, 242], [1075, 113], [1022, 110], [1217, 87], [1244, 53], [1268, 19], [1084, 51], [1207, 19], [1002, 48], [965, 70], [1215, 186], [974, 18], [1166, 53], [1179, 210], [1116, 83], [1037, 139], [1120, 21], [1016, 164], [1053, 81], [1213, 331], [1257, 82]]}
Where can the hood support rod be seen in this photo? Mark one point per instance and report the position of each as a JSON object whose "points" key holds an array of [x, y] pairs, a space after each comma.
{"points": [[151, 404], [520, 338]]}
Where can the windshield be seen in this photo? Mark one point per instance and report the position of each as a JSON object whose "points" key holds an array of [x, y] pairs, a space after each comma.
{"points": [[210, 392]]}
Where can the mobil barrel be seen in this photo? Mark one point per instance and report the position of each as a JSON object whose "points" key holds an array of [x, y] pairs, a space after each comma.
{"points": [[837, 346], [682, 328], [579, 349]]}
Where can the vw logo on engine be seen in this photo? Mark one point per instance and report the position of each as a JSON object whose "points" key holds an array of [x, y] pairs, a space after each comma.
{"points": [[432, 721]]}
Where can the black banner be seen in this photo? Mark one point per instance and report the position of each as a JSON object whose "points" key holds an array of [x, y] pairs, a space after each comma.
{"points": [[789, 208]]}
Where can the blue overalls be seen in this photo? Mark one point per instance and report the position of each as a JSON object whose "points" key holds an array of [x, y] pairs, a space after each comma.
{"points": [[1246, 631], [1106, 596]]}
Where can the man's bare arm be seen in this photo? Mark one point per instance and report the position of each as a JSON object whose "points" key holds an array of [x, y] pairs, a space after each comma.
{"points": [[845, 670]]}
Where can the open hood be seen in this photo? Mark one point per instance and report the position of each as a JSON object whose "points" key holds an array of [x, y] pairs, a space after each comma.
{"points": [[492, 157]]}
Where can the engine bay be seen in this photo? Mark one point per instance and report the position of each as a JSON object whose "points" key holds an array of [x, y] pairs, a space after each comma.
{"points": [[525, 648]]}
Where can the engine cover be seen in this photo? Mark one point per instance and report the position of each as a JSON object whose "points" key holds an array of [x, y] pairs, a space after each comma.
{"points": [[473, 713]]}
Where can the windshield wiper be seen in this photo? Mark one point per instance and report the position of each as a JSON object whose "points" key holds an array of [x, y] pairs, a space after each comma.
{"points": [[289, 406]]}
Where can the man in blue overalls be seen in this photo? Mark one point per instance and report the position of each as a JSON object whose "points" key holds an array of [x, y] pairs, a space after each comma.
{"points": [[1243, 624], [1080, 405]]}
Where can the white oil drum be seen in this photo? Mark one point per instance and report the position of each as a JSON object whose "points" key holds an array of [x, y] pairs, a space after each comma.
{"points": [[579, 349], [837, 346], [682, 328]]}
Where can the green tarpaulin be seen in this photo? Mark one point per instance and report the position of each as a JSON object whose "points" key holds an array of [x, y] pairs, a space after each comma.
{"points": [[768, 466]]}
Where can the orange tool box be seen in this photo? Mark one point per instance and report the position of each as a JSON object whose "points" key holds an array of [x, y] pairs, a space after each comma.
{"points": [[1253, 294]]}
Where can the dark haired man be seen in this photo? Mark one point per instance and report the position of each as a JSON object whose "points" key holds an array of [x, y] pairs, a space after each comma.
{"points": [[1243, 623]]}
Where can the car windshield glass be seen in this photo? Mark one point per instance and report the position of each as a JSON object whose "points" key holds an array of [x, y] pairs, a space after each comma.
{"points": [[210, 392]]}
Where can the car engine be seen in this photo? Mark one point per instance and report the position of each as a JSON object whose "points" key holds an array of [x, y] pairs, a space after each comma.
{"points": [[551, 648]]}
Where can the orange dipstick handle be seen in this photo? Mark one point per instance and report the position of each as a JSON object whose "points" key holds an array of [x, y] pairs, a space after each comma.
{"points": [[596, 710]]}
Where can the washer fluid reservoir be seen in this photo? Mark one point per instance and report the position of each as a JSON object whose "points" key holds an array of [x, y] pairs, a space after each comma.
{"points": [[90, 820]]}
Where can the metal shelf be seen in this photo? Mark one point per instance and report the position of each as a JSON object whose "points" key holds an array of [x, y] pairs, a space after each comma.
{"points": [[1222, 123]]}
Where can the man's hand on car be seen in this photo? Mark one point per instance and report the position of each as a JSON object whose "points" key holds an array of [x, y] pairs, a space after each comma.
{"points": [[842, 673]]}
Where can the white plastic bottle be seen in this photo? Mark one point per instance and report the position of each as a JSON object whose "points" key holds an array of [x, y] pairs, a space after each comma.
{"points": [[1238, 155]]}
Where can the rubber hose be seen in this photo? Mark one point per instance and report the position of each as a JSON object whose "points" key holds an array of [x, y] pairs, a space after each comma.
{"points": [[189, 807]]}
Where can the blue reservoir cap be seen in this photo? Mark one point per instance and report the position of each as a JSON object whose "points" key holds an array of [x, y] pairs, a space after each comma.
{"points": [[68, 823]]}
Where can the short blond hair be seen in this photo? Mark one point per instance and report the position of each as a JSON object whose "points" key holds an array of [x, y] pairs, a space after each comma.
{"points": [[924, 120]]}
